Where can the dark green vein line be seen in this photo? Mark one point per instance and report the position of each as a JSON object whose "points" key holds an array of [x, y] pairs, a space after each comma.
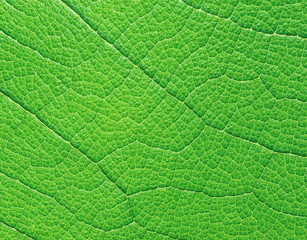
{"points": [[161, 234], [75, 12], [16, 9], [10, 98], [57, 202], [188, 191], [228, 196], [71, 144], [34, 50], [16, 230], [244, 28], [276, 210]]}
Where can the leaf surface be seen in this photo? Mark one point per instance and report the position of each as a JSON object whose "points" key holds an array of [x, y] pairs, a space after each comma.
{"points": [[162, 119]]}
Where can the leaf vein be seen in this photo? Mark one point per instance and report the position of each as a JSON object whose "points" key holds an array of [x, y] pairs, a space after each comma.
{"points": [[57, 202], [166, 91], [15, 229], [244, 28]]}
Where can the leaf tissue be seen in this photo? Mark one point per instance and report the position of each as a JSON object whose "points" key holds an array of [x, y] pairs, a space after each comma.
{"points": [[153, 119]]}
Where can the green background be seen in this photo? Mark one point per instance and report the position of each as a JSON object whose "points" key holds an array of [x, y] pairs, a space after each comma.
{"points": [[153, 119]]}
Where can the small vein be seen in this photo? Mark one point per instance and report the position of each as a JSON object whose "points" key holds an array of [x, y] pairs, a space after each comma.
{"points": [[71, 145], [12, 6], [116, 150], [59, 136], [227, 196], [245, 28], [34, 50], [166, 91], [16, 230], [161, 234], [188, 191], [276, 210], [52, 198]]}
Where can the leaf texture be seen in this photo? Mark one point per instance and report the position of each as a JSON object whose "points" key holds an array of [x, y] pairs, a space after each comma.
{"points": [[161, 119]]}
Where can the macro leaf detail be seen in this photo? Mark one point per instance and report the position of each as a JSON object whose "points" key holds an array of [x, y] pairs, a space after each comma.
{"points": [[161, 119]]}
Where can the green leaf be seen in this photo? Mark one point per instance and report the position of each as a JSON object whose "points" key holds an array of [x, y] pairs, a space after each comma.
{"points": [[153, 119]]}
